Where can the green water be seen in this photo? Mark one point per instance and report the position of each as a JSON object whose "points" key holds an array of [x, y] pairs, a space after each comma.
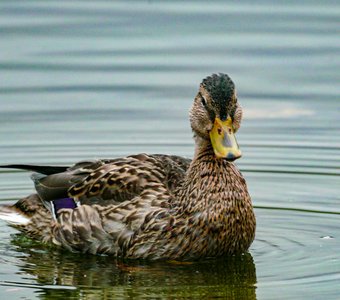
{"points": [[100, 79]]}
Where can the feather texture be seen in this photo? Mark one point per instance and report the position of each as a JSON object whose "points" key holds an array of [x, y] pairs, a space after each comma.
{"points": [[148, 206]]}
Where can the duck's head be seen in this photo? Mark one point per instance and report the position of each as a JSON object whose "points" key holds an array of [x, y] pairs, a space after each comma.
{"points": [[215, 115]]}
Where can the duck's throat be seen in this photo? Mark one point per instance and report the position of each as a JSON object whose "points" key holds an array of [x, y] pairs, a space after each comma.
{"points": [[214, 201], [203, 147], [209, 182]]}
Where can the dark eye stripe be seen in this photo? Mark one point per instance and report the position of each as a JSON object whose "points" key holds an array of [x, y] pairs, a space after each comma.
{"points": [[211, 113], [203, 100]]}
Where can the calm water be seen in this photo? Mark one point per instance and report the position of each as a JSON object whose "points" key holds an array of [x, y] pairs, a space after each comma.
{"points": [[82, 80]]}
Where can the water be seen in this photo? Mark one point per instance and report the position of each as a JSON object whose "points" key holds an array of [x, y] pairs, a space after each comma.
{"points": [[82, 80]]}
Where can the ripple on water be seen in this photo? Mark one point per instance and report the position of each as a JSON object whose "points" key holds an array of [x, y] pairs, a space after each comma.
{"points": [[104, 79], [296, 242], [290, 250]]}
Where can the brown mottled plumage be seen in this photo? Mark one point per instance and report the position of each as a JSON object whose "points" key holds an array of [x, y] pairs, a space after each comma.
{"points": [[152, 206]]}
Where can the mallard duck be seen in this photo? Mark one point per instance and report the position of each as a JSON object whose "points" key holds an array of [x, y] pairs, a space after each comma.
{"points": [[150, 206]]}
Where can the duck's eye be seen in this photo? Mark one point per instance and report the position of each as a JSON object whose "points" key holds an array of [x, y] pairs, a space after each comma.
{"points": [[204, 103]]}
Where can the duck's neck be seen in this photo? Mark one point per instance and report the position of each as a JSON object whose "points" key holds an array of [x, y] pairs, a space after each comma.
{"points": [[203, 147], [209, 182], [214, 202]]}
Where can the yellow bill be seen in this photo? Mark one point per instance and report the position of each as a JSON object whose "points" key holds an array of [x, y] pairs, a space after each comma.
{"points": [[223, 140]]}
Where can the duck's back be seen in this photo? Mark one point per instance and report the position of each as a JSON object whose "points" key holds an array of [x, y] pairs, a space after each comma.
{"points": [[89, 192]]}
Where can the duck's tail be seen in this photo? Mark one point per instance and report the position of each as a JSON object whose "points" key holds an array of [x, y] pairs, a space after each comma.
{"points": [[46, 170], [13, 216], [29, 215]]}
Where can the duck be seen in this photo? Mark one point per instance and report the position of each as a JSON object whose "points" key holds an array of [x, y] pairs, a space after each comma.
{"points": [[150, 206]]}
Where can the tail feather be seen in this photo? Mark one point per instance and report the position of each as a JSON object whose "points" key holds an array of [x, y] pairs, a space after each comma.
{"points": [[30, 216], [47, 170], [13, 216]]}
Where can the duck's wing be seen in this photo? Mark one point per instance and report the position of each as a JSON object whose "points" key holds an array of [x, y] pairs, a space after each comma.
{"points": [[174, 168], [53, 182], [107, 181], [125, 178]]}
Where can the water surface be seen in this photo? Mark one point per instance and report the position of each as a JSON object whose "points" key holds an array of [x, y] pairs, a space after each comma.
{"points": [[100, 79]]}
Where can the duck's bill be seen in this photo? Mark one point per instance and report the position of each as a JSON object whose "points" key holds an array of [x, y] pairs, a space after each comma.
{"points": [[223, 140]]}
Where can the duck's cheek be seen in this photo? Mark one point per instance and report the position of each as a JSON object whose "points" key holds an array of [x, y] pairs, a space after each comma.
{"points": [[201, 127]]}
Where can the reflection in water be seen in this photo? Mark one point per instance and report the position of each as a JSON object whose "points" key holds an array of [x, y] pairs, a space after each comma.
{"points": [[74, 72], [98, 277]]}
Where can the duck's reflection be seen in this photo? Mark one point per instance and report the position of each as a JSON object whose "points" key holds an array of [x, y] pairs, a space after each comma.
{"points": [[101, 277]]}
